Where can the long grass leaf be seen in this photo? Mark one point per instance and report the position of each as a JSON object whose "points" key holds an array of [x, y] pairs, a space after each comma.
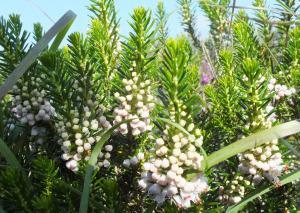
{"points": [[61, 35], [34, 52], [168, 121], [90, 168], [284, 180], [291, 148], [252, 141], [9, 155], [2, 210]]}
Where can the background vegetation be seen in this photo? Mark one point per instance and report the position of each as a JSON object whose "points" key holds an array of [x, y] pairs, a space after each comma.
{"points": [[148, 123]]}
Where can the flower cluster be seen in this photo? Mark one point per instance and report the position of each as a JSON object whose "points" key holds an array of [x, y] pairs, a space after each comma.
{"points": [[186, 14], [234, 190], [31, 107], [79, 133], [164, 173], [281, 91], [136, 105], [262, 161]]}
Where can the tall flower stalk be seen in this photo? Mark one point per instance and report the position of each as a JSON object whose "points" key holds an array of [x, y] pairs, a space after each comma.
{"points": [[176, 152]]}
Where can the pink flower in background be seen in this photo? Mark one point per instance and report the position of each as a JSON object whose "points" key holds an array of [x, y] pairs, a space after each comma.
{"points": [[206, 73], [205, 79]]}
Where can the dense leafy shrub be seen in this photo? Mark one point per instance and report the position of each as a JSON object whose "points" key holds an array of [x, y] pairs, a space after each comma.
{"points": [[148, 123]]}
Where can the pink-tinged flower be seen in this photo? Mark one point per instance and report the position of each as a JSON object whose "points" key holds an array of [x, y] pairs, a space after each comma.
{"points": [[205, 79], [181, 202], [206, 73]]}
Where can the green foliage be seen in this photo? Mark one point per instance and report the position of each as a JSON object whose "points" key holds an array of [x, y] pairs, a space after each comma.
{"points": [[288, 10], [161, 22], [37, 31], [110, 194], [57, 77], [138, 50], [177, 79], [188, 14], [255, 95], [249, 50], [104, 40], [223, 109], [293, 63], [265, 28], [218, 14], [46, 173], [81, 67], [223, 99], [14, 190], [41, 191], [292, 50], [245, 42], [13, 43]]}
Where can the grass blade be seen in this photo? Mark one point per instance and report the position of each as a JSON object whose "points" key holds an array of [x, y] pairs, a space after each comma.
{"points": [[252, 141], [168, 121], [34, 52], [2, 210], [291, 148], [90, 168], [61, 35], [8, 155], [284, 180]]}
